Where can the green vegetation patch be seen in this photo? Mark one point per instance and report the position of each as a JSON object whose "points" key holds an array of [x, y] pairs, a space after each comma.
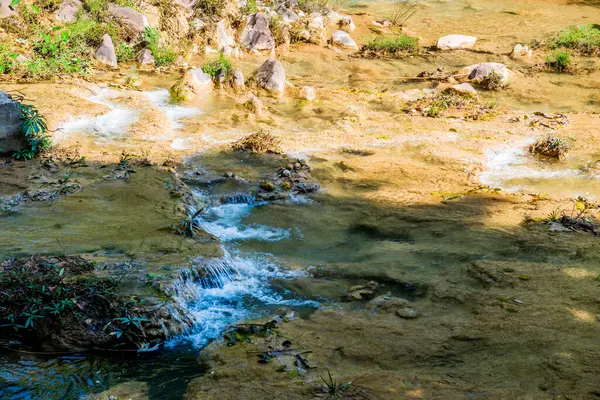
{"points": [[560, 61], [583, 39], [163, 54], [221, 66], [397, 46]]}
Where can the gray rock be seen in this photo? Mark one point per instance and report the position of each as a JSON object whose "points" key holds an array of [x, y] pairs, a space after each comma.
{"points": [[67, 12], [238, 81], [129, 18], [105, 53], [342, 39], [225, 39], [288, 15], [145, 57], [479, 73], [271, 77], [10, 125], [256, 34], [5, 10]]}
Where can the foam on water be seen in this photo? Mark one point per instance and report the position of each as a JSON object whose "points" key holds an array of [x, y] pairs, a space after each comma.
{"points": [[513, 162], [234, 287], [161, 98], [113, 124], [224, 221]]}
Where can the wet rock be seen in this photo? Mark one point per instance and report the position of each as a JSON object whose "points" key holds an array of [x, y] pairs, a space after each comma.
{"points": [[347, 24], [256, 34], [308, 93], [145, 58], [271, 77], [11, 138], [387, 302], [129, 18], [193, 83], [362, 292], [407, 313], [105, 53], [67, 12], [342, 39], [453, 42], [489, 75], [5, 10]]}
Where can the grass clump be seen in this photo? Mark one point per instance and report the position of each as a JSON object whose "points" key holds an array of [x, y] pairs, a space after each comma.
{"points": [[583, 39], [8, 60], [219, 67], [551, 146], [259, 142], [493, 81], [210, 9], [163, 54], [251, 7], [398, 46], [560, 61], [402, 11]]}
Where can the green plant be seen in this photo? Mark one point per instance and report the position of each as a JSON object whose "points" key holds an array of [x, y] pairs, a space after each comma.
{"points": [[8, 60], [251, 7], [35, 130], [125, 53], [583, 39], [560, 61], [333, 389], [56, 54], [395, 46], [219, 66], [163, 54]]}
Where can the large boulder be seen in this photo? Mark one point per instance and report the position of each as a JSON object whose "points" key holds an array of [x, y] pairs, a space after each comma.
{"points": [[270, 76], [489, 75], [105, 53], [453, 42], [193, 83], [342, 39], [67, 12], [10, 125], [256, 34], [129, 18], [5, 10]]}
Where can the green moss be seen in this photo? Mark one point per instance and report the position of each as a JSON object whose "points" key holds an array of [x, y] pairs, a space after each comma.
{"points": [[584, 39]]}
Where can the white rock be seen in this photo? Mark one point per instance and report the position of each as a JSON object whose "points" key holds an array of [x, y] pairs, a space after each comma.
{"points": [[520, 51], [465, 88], [225, 38], [342, 39], [308, 93], [316, 21], [452, 42], [67, 12], [347, 24]]}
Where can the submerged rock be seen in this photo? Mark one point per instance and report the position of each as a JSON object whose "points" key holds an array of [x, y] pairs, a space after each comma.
{"points": [[342, 39], [256, 34], [67, 12], [407, 313], [453, 42], [270, 76], [11, 138], [105, 53]]}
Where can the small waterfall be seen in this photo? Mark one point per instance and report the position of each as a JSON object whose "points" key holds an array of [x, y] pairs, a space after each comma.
{"points": [[237, 199]]}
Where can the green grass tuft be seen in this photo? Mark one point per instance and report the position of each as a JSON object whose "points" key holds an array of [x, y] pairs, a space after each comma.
{"points": [[163, 54], [396, 46]]}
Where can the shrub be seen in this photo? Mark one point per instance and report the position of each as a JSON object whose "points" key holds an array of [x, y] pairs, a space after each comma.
{"points": [[57, 54], [163, 55], [89, 31], [8, 60], [125, 53], [391, 47], [583, 39], [560, 61], [33, 128]]}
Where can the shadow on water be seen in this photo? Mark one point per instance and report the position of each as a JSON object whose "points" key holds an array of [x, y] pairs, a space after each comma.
{"points": [[166, 373]]}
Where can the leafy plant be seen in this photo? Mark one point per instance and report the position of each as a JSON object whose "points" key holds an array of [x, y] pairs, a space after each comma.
{"points": [[219, 66], [34, 128], [163, 55]]}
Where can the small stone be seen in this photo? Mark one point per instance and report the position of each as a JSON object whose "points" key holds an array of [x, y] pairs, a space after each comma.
{"points": [[308, 93], [407, 313], [342, 39], [67, 12]]}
